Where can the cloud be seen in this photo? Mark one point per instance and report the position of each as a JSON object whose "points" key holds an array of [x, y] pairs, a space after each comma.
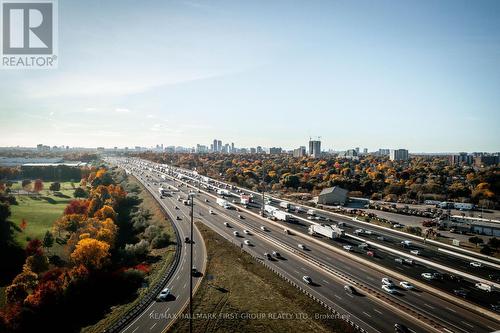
{"points": [[122, 110]]}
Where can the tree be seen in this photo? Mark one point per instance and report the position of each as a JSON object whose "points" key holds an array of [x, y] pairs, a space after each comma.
{"points": [[476, 240], [33, 247], [91, 253], [48, 240], [55, 186], [16, 293], [80, 193], [494, 243], [77, 207], [23, 224], [26, 184], [38, 186], [486, 250], [36, 263]]}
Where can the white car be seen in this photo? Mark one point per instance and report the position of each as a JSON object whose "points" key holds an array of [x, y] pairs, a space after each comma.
{"points": [[302, 246], [358, 231], [388, 289], [247, 242], [387, 282], [286, 231], [406, 285], [236, 233], [263, 228], [347, 247], [164, 294], [476, 264], [368, 232], [427, 276], [211, 211], [226, 224], [415, 252], [307, 279], [246, 232]]}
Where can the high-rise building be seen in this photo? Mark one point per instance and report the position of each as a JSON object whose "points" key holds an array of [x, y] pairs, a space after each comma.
{"points": [[384, 152], [314, 148], [219, 145], [214, 146], [357, 150], [232, 147], [461, 159], [274, 150], [259, 150], [299, 152], [365, 150], [252, 150], [398, 155]]}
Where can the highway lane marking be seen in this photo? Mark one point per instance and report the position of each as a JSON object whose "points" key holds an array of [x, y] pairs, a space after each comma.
{"points": [[184, 286], [466, 323], [152, 303], [135, 329], [450, 309], [326, 282], [367, 314], [377, 311], [153, 326], [178, 276], [337, 296], [429, 306]]}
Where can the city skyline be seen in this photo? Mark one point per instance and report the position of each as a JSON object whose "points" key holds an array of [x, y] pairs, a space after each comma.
{"points": [[368, 75]]}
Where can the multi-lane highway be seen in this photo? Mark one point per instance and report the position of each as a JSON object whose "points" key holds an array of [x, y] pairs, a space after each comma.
{"points": [[161, 314], [372, 308]]}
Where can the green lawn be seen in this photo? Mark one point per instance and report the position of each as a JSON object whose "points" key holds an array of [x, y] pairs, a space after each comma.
{"points": [[40, 212]]}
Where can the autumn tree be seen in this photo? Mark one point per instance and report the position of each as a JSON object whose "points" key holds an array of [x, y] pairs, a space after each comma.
{"points": [[80, 193], [55, 186], [48, 240], [38, 186], [77, 207], [91, 253]]}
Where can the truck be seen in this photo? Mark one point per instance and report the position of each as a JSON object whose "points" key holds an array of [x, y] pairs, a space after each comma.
{"points": [[223, 203], [269, 209], [330, 231], [281, 215], [311, 212], [245, 199], [463, 206], [286, 205], [484, 286]]}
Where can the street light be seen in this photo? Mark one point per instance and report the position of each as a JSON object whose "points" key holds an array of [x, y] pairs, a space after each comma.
{"points": [[191, 196]]}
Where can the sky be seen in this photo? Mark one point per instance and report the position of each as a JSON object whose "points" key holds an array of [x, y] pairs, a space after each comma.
{"points": [[422, 75]]}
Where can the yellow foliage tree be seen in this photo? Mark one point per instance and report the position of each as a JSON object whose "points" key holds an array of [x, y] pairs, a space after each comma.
{"points": [[91, 253]]}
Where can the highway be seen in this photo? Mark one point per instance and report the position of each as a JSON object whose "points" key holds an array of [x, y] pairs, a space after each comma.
{"points": [[449, 282], [161, 314], [454, 317]]}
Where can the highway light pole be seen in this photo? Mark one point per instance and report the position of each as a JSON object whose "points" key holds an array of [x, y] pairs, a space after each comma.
{"points": [[191, 196]]}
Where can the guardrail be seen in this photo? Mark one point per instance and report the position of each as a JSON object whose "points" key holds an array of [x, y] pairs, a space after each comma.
{"points": [[151, 295]]}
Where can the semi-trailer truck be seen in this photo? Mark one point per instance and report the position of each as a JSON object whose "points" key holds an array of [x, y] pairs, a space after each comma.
{"points": [[223, 203], [269, 209], [223, 192], [285, 205], [245, 199], [329, 231], [281, 215]]}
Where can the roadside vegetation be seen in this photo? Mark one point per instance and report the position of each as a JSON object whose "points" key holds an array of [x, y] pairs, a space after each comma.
{"points": [[236, 285], [110, 247]]}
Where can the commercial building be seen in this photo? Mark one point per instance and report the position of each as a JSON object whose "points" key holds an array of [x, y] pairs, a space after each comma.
{"points": [[299, 152], [274, 150], [461, 159], [398, 155], [482, 161], [333, 196], [475, 225], [384, 152], [315, 148]]}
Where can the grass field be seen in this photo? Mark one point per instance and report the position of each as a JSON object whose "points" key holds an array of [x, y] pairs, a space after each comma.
{"points": [[236, 286], [158, 269], [40, 212]]}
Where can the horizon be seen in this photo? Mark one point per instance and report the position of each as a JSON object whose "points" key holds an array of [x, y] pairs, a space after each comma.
{"points": [[422, 75]]}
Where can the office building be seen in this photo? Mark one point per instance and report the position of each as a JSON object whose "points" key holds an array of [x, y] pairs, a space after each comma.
{"points": [[315, 148], [461, 159], [398, 155], [299, 152]]}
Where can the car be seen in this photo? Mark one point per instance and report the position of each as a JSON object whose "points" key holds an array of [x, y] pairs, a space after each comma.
{"points": [[368, 232], [263, 228], [400, 328], [210, 211], [186, 239], [177, 218], [206, 200], [399, 260], [495, 307], [349, 289], [461, 292], [194, 271], [176, 207], [286, 231], [268, 256], [276, 254], [363, 246], [347, 247], [427, 276], [236, 233], [476, 264], [387, 282], [163, 294], [307, 279], [247, 242], [398, 226], [240, 216], [381, 238], [246, 232], [405, 284], [358, 231], [388, 289], [415, 252], [226, 224], [302, 246]]}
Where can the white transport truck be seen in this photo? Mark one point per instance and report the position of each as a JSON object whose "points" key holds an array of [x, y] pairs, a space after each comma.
{"points": [[286, 205], [330, 231], [223, 192], [223, 203], [281, 215], [270, 209]]}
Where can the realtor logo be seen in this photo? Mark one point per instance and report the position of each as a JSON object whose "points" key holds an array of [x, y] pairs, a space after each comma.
{"points": [[29, 33]]}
